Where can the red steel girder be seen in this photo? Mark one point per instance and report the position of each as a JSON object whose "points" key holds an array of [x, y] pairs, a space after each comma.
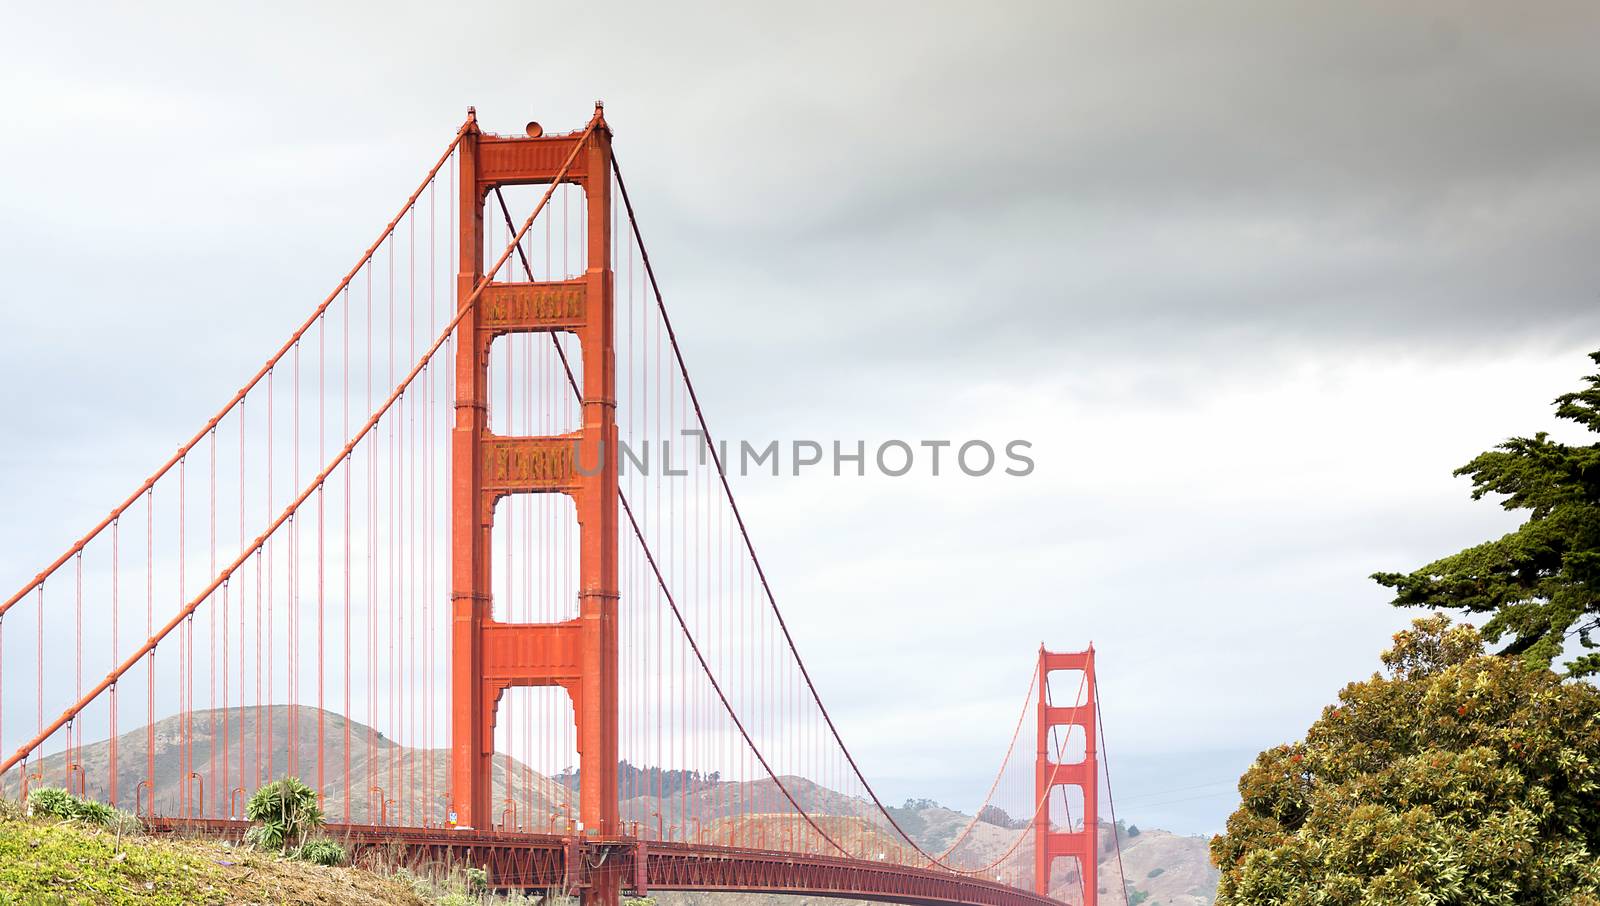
{"points": [[574, 865]]}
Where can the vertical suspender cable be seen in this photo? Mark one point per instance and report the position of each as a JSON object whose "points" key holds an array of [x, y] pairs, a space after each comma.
{"points": [[112, 763], [322, 424], [185, 660], [349, 480], [267, 606], [292, 598], [211, 620], [150, 661]]}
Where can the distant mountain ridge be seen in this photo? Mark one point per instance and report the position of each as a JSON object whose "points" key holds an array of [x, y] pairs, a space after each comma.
{"points": [[1163, 869]]}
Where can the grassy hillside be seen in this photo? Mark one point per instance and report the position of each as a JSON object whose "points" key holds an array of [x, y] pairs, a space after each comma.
{"points": [[48, 862]]}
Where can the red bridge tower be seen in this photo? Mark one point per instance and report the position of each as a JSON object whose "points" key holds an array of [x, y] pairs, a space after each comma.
{"points": [[1084, 843], [579, 655]]}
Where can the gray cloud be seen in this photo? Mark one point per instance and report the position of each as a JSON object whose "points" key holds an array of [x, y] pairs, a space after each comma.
{"points": [[1255, 276]]}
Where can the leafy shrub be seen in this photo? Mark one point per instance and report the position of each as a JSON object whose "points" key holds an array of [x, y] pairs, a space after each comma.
{"points": [[1460, 777], [259, 837], [92, 812], [59, 803], [477, 879], [52, 801], [321, 852], [283, 813]]}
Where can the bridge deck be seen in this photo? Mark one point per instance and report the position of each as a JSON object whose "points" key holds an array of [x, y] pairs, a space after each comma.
{"points": [[562, 863]]}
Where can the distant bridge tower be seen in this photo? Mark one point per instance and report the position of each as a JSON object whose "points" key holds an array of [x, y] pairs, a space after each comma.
{"points": [[579, 655], [1083, 844]]}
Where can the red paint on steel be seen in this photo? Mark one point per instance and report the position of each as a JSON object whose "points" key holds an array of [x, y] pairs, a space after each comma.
{"points": [[579, 655], [255, 547], [1049, 843], [490, 656], [667, 595], [567, 864]]}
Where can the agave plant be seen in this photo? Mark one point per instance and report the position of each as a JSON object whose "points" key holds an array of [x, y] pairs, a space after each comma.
{"points": [[283, 813]]}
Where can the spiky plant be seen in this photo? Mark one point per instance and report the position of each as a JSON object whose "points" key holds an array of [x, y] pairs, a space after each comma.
{"points": [[321, 852], [283, 813]]}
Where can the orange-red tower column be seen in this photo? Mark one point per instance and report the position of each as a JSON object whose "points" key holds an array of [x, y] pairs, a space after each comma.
{"points": [[579, 655], [469, 542], [1049, 843]]}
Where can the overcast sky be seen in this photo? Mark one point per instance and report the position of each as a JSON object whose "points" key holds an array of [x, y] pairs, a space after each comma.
{"points": [[1253, 279]]}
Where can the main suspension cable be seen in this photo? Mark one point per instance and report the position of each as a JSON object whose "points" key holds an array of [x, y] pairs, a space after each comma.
{"points": [[744, 533], [317, 482], [263, 372], [661, 580]]}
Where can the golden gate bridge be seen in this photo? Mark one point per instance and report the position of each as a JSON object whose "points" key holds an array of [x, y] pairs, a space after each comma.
{"points": [[419, 561]]}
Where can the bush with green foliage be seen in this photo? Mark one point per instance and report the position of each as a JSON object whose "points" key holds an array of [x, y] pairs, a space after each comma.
{"points": [[282, 813], [61, 804], [52, 801], [320, 852], [1541, 583], [1457, 778]]}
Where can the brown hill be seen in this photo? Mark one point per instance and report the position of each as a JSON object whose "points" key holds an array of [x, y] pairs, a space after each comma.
{"points": [[375, 761], [1167, 869]]}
